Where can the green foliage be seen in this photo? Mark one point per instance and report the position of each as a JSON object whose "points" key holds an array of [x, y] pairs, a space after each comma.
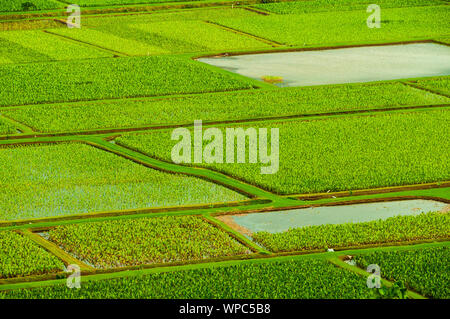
{"points": [[48, 47], [109, 78], [92, 3], [393, 229], [423, 270], [299, 7], [7, 127], [396, 291], [441, 85], [109, 41], [338, 153], [306, 279], [219, 106], [345, 27], [21, 257], [134, 242], [65, 179], [28, 5]]}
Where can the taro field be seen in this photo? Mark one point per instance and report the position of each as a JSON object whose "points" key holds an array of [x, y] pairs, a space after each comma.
{"points": [[196, 149]]}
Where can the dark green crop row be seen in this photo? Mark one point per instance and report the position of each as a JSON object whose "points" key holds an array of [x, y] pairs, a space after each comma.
{"points": [[426, 271], [290, 279], [394, 229]]}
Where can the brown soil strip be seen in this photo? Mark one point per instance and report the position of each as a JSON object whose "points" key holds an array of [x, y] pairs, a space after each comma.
{"points": [[228, 220], [258, 11]]}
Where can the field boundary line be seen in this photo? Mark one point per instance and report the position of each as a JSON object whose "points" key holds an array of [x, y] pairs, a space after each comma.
{"points": [[234, 234], [372, 191], [251, 259], [302, 116], [341, 264], [416, 86], [48, 222], [55, 250], [317, 47], [18, 125], [85, 43], [216, 177], [267, 41]]}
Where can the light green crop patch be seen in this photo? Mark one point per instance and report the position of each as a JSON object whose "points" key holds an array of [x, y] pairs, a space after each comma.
{"points": [[66, 179], [440, 85], [220, 106], [198, 36], [6, 127], [337, 153], [346, 27], [94, 79], [19, 256], [110, 41], [51, 46], [299, 7]]}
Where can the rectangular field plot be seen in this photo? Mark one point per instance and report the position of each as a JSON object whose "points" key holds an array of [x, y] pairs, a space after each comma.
{"points": [[198, 36], [110, 41], [337, 153], [219, 106], [426, 226], [161, 33], [47, 47], [423, 270], [20, 256], [309, 278], [134, 242], [299, 7], [109, 78], [347, 65], [345, 27], [66, 179]]}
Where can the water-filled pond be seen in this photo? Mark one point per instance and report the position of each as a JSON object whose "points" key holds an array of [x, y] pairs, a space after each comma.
{"points": [[346, 65], [280, 221]]}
